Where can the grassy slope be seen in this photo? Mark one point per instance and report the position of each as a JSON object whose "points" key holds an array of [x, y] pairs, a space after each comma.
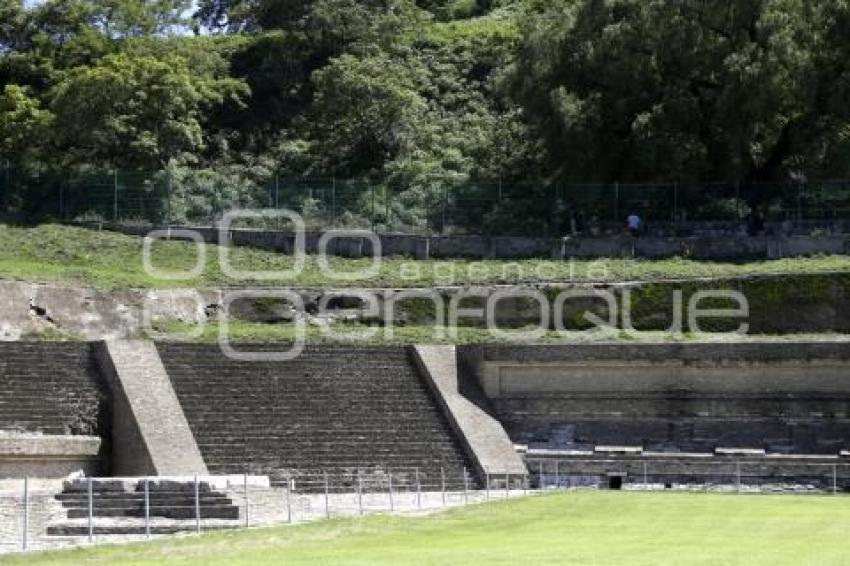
{"points": [[344, 333], [572, 528], [107, 260]]}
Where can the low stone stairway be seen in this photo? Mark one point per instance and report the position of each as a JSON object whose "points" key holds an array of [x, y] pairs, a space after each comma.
{"points": [[336, 410], [50, 388], [117, 506]]}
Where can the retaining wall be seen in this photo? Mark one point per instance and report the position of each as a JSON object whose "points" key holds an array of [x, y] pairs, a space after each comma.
{"points": [[719, 247], [768, 398]]}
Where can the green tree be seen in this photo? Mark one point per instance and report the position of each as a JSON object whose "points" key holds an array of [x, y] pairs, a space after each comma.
{"points": [[124, 18], [649, 89], [23, 125], [367, 112], [137, 111]]}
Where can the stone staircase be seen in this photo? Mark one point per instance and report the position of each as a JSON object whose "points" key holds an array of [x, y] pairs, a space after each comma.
{"points": [[51, 388], [119, 507], [360, 412]]}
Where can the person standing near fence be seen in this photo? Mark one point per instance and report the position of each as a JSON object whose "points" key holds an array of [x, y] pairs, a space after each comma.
{"points": [[633, 223]]}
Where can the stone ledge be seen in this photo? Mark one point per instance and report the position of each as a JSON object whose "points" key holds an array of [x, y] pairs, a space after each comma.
{"points": [[14, 445], [659, 353]]}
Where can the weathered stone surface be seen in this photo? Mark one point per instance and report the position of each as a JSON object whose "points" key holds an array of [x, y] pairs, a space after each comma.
{"points": [[740, 399], [342, 410], [17, 318], [150, 432], [487, 443], [47, 456]]}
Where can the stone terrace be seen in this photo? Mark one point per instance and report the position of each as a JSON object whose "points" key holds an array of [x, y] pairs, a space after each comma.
{"points": [[50, 388], [340, 410]]}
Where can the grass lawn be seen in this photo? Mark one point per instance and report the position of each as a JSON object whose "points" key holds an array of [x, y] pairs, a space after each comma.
{"points": [[113, 261], [617, 528]]}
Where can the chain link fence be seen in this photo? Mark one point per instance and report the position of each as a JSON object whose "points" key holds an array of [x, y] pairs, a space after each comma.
{"points": [[48, 514], [770, 475], [435, 206]]}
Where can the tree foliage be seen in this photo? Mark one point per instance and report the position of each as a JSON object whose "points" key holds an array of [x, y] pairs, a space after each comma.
{"points": [[657, 90], [409, 91]]}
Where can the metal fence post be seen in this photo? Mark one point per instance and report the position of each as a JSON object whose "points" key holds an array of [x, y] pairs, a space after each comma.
{"points": [[738, 207], [91, 511], [61, 200], [487, 488], [197, 506], [738, 476], [7, 188], [676, 203], [443, 484], [247, 504], [289, 500], [540, 474], [372, 192], [26, 522], [443, 226], [333, 201], [418, 491], [616, 201], [390, 491], [327, 498], [360, 493], [465, 486], [834, 479], [147, 509], [115, 197], [557, 476], [168, 198], [387, 196]]}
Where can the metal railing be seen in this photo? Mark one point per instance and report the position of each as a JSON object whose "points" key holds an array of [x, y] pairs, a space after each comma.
{"points": [[437, 205], [29, 507], [770, 475]]}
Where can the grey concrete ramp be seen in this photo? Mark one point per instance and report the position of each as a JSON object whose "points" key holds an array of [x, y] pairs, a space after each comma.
{"points": [[484, 438], [150, 434]]}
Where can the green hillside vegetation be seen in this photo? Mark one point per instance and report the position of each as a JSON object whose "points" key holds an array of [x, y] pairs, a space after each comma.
{"points": [[107, 260], [418, 96]]}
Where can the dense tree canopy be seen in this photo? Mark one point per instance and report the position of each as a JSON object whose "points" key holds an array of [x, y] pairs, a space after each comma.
{"points": [[409, 91], [650, 89]]}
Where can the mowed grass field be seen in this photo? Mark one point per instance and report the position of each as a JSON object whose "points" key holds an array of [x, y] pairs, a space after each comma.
{"points": [[588, 527], [53, 252]]}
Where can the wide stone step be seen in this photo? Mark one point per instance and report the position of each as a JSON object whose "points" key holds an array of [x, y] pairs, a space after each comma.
{"points": [[287, 425], [48, 387], [129, 530], [228, 512], [333, 408], [110, 500]]}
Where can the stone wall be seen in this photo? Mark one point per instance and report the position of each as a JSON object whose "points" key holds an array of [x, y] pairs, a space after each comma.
{"points": [[790, 398], [720, 247], [809, 303], [48, 456]]}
